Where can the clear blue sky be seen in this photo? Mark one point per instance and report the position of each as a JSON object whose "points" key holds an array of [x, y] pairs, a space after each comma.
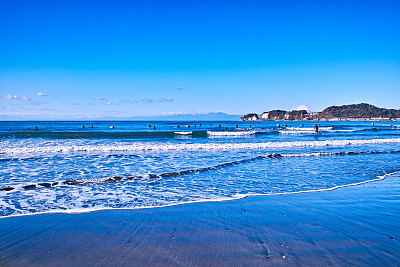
{"points": [[75, 59]]}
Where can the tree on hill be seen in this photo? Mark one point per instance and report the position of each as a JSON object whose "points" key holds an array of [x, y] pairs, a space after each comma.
{"points": [[362, 110]]}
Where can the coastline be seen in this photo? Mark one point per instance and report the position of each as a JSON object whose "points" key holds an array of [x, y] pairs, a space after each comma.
{"points": [[87, 210], [355, 225], [331, 120], [353, 112]]}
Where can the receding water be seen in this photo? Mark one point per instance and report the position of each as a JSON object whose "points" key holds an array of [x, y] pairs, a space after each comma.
{"points": [[63, 166]]}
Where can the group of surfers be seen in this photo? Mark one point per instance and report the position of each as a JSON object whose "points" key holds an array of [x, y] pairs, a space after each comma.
{"points": [[316, 127]]}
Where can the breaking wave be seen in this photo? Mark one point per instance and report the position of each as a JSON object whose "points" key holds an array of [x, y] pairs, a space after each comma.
{"points": [[69, 147], [230, 133], [309, 130]]}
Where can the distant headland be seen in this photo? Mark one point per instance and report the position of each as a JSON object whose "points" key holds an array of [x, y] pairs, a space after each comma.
{"points": [[355, 112]]}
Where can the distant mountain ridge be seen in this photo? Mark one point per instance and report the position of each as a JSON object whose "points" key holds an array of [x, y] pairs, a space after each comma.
{"points": [[361, 111], [214, 116]]}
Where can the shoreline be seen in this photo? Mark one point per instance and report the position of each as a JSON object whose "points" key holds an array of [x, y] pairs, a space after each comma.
{"points": [[355, 225], [77, 211]]}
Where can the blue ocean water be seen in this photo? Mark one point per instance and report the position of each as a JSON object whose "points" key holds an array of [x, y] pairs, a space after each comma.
{"points": [[65, 167]]}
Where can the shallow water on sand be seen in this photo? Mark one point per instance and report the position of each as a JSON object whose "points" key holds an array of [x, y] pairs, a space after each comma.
{"points": [[63, 166]]}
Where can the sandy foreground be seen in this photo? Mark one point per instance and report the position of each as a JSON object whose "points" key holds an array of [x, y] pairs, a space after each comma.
{"points": [[352, 226]]}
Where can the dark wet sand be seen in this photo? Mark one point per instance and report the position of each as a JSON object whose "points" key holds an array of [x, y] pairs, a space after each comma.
{"points": [[352, 226]]}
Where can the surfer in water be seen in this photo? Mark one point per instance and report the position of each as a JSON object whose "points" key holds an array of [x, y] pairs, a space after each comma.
{"points": [[316, 129], [36, 128]]}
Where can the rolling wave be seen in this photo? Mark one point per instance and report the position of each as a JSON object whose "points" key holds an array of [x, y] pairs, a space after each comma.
{"points": [[67, 147], [95, 135], [311, 130], [123, 135], [230, 133]]}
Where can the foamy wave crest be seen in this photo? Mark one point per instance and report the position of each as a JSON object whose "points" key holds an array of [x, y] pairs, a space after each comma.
{"points": [[297, 132], [230, 133], [65, 147], [184, 133], [305, 130], [308, 128]]}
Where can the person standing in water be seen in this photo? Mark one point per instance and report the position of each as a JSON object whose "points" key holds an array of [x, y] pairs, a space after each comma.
{"points": [[316, 128], [36, 128]]}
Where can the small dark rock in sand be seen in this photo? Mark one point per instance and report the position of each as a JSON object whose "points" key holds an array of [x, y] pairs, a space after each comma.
{"points": [[114, 179], [45, 184], [275, 156], [134, 177], [7, 188], [29, 186]]}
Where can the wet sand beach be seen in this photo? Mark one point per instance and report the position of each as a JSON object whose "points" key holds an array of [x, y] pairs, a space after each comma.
{"points": [[351, 226]]}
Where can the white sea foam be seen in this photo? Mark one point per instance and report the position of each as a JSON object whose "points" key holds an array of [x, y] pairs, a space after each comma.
{"points": [[71, 147], [309, 130], [77, 209], [230, 133], [297, 132], [183, 133]]}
